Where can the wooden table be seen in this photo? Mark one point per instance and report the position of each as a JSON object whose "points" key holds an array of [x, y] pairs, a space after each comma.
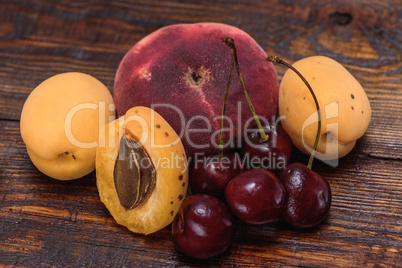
{"points": [[44, 222]]}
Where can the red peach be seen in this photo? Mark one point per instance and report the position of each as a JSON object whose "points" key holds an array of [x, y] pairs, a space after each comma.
{"points": [[181, 71]]}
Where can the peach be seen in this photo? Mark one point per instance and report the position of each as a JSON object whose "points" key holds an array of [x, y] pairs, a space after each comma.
{"points": [[181, 71], [60, 124]]}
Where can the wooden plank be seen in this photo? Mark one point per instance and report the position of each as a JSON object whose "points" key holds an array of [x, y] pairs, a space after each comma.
{"points": [[49, 222]]}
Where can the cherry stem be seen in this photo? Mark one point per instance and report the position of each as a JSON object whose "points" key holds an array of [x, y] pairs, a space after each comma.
{"points": [[224, 104], [230, 43], [280, 61]]}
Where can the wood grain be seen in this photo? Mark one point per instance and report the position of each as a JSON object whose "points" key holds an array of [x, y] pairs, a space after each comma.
{"points": [[44, 222]]}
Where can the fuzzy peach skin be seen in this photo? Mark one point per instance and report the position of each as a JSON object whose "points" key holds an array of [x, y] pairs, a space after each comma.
{"points": [[345, 108], [182, 71], [167, 154], [60, 124]]}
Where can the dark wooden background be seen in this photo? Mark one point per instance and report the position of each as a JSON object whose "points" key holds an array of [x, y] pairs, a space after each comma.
{"points": [[44, 222]]}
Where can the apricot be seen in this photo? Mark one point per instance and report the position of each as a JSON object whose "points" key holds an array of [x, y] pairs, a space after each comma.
{"points": [[60, 124], [181, 71], [345, 108], [141, 170]]}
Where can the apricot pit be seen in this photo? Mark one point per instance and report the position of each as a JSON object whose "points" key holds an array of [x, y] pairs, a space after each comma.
{"points": [[134, 183]]}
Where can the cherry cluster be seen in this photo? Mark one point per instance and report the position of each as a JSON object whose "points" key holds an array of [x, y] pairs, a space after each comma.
{"points": [[223, 191]]}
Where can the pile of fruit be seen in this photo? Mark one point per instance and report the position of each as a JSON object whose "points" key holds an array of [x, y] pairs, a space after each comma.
{"points": [[177, 125]]}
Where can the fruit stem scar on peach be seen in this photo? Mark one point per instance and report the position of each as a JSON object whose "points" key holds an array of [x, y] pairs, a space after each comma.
{"points": [[276, 59], [230, 43]]}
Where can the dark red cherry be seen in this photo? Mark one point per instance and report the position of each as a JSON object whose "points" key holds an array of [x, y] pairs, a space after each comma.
{"points": [[308, 196], [204, 227], [211, 174], [256, 196], [273, 154]]}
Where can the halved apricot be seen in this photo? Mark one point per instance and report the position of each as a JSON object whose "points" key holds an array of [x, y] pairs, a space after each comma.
{"points": [[141, 170]]}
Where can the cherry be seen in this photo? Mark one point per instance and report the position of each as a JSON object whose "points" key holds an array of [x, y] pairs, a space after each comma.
{"points": [[211, 174], [308, 196], [273, 154], [256, 196], [204, 227]]}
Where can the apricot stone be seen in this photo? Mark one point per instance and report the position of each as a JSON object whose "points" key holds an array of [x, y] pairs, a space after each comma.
{"points": [[181, 71]]}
